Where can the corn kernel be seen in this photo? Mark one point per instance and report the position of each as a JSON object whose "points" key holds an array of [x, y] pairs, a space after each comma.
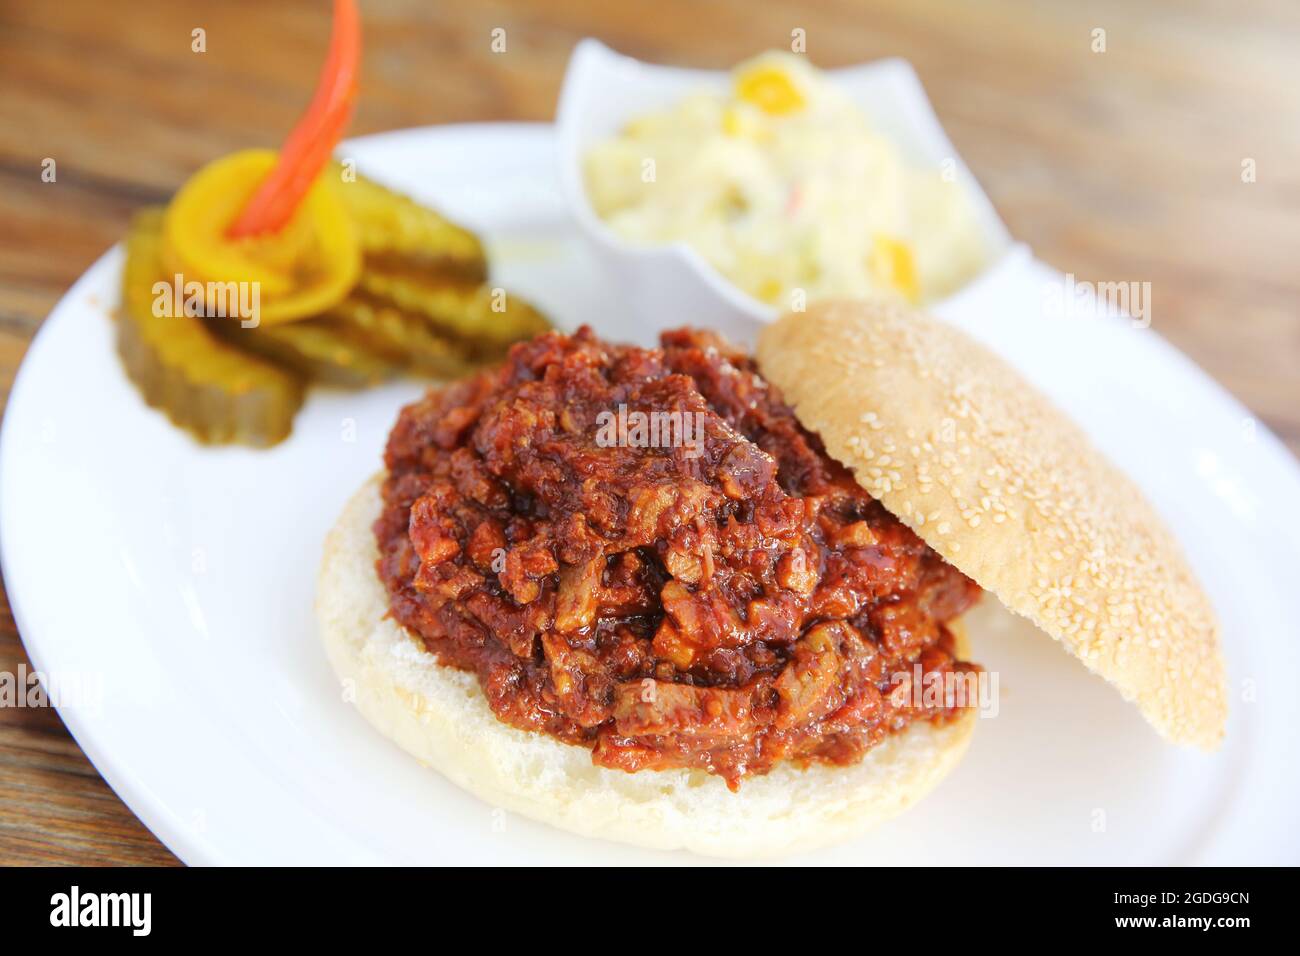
{"points": [[732, 122], [892, 265], [743, 122], [770, 89]]}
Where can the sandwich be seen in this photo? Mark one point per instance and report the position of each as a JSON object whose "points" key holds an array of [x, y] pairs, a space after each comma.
{"points": [[682, 597]]}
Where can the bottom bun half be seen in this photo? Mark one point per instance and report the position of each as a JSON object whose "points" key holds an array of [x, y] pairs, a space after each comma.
{"points": [[440, 717]]}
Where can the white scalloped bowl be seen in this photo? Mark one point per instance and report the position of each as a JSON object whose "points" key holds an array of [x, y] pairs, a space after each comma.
{"points": [[670, 283]]}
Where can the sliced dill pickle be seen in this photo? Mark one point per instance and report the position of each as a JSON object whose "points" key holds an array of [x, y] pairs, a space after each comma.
{"points": [[399, 234], [486, 319], [215, 392], [321, 349], [391, 331]]}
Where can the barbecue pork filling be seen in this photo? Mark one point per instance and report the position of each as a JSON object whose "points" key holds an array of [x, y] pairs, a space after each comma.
{"points": [[642, 551]]}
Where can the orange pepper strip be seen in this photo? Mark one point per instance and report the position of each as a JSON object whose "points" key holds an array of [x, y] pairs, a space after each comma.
{"points": [[313, 139]]}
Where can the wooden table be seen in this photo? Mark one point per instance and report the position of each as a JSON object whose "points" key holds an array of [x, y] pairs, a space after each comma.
{"points": [[1118, 165]]}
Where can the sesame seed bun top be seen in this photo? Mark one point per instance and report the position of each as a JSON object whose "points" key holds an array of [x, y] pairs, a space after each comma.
{"points": [[1000, 482]]}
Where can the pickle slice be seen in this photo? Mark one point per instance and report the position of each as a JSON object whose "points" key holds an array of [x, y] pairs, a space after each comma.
{"points": [[321, 349], [394, 332], [399, 234], [215, 392], [486, 319]]}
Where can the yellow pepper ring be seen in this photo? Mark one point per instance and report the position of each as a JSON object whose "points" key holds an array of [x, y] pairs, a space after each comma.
{"points": [[300, 271]]}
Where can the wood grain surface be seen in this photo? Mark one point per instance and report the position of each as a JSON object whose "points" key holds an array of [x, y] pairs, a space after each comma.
{"points": [[1118, 165]]}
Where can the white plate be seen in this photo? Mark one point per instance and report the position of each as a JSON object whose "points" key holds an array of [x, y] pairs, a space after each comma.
{"points": [[178, 581]]}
